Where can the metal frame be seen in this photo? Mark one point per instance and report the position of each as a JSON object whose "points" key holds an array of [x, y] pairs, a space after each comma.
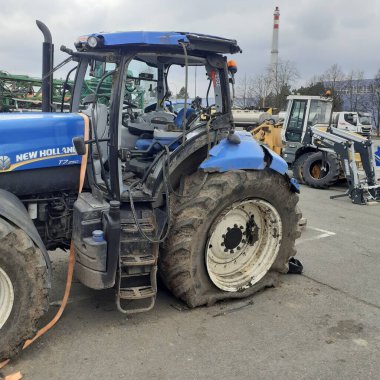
{"points": [[345, 145]]}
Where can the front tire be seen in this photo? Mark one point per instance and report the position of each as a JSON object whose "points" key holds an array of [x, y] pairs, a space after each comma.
{"points": [[232, 239], [317, 176], [298, 166], [23, 288]]}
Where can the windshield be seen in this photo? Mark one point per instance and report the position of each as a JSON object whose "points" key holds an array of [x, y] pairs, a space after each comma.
{"points": [[365, 120], [320, 112], [93, 84], [141, 84]]}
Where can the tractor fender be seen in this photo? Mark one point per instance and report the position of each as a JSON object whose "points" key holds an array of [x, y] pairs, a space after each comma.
{"points": [[12, 209], [246, 155]]}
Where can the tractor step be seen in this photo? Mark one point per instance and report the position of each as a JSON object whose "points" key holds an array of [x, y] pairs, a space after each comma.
{"points": [[136, 293], [136, 298], [137, 284], [137, 260]]}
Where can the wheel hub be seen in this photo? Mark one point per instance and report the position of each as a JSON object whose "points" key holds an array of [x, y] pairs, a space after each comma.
{"points": [[233, 237], [6, 297], [243, 244]]}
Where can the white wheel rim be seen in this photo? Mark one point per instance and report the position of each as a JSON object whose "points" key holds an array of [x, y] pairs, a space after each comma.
{"points": [[243, 244], [6, 297]]}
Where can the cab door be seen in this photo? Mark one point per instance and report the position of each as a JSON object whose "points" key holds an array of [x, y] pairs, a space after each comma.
{"points": [[296, 120]]}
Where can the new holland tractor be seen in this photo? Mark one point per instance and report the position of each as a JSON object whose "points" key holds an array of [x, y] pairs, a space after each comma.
{"points": [[183, 195]]}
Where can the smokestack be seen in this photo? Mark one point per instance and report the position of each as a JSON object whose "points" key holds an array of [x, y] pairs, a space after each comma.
{"points": [[276, 24]]}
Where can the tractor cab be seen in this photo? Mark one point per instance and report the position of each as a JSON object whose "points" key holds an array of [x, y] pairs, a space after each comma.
{"points": [[123, 83], [303, 112]]}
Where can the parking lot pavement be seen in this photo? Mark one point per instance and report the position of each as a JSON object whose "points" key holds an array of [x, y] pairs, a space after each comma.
{"points": [[324, 324]]}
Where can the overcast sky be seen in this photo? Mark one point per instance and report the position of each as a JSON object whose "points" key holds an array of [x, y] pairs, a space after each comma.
{"points": [[313, 34]]}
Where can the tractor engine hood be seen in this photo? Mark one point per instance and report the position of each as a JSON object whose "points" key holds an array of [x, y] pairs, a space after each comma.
{"points": [[38, 140]]}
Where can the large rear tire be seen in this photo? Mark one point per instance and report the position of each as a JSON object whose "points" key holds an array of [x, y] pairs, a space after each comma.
{"points": [[232, 239], [23, 288], [314, 175]]}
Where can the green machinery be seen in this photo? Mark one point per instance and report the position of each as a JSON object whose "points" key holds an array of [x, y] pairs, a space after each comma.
{"points": [[24, 93]]}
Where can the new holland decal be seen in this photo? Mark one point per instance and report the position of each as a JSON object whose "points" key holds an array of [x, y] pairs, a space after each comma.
{"points": [[25, 158]]}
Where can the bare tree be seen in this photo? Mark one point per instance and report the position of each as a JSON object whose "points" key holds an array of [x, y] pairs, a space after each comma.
{"points": [[269, 88], [375, 101], [332, 79], [261, 88], [282, 77], [353, 88], [243, 96]]}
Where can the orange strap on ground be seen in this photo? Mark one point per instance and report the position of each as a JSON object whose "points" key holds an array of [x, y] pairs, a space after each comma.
{"points": [[14, 376], [56, 318], [70, 270]]}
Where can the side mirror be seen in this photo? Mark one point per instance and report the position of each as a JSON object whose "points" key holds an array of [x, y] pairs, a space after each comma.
{"points": [[79, 145]]}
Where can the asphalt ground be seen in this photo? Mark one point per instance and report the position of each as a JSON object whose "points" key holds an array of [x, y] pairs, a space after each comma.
{"points": [[324, 324]]}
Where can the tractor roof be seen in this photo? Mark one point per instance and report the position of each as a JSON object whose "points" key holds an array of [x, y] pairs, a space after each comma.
{"points": [[200, 43]]}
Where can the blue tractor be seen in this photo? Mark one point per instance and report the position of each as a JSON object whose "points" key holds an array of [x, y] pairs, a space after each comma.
{"points": [[184, 195]]}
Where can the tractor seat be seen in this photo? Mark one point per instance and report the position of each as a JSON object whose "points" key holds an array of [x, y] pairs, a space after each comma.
{"points": [[191, 114], [162, 135], [153, 145], [149, 121]]}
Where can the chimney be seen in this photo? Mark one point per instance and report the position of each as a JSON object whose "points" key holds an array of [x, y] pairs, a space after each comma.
{"points": [[274, 51]]}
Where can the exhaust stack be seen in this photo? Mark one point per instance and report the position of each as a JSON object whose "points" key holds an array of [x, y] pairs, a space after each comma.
{"points": [[47, 66]]}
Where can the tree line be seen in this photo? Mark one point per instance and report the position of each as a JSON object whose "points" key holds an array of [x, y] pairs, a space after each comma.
{"points": [[348, 90]]}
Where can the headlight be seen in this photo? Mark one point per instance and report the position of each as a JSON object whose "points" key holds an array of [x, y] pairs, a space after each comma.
{"points": [[92, 41]]}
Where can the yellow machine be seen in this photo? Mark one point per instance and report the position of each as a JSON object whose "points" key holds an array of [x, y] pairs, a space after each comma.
{"points": [[269, 133]]}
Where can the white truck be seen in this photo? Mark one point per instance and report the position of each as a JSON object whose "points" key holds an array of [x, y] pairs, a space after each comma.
{"points": [[358, 122]]}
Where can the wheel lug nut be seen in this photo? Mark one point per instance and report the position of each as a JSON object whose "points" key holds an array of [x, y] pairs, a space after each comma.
{"points": [[241, 227], [228, 229], [222, 244], [235, 225], [223, 236], [232, 251], [238, 248], [225, 250], [243, 241]]}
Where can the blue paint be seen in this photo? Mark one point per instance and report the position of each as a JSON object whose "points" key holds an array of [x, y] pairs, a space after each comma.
{"points": [[226, 156], [38, 140], [278, 164], [294, 185], [152, 146], [246, 155], [141, 38], [377, 156], [169, 39], [179, 118]]}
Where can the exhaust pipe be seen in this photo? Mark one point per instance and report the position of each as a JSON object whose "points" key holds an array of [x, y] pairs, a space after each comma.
{"points": [[47, 67]]}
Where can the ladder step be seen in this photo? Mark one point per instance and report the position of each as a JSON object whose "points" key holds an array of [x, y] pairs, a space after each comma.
{"points": [[136, 260], [138, 292], [137, 274]]}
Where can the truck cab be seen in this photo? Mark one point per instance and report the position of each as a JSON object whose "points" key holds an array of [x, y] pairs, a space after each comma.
{"points": [[358, 122]]}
